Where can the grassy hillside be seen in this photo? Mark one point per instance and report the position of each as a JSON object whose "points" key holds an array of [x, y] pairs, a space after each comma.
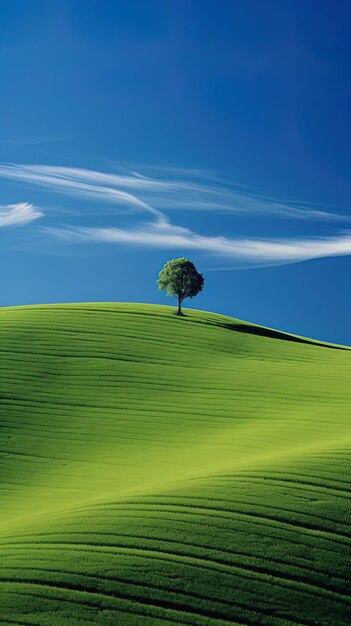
{"points": [[163, 470]]}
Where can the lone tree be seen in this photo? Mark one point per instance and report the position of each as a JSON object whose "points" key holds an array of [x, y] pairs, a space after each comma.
{"points": [[180, 278]]}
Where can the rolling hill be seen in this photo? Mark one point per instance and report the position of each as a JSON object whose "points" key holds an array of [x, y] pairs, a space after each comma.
{"points": [[160, 470]]}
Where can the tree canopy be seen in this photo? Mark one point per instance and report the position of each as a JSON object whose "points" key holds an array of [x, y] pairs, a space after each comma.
{"points": [[179, 277]]}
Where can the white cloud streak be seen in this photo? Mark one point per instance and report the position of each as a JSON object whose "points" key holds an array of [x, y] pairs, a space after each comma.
{"points": [[18, 214], [240, 250], [172, 191], [151, 195], [37, 140], [77, 182]]}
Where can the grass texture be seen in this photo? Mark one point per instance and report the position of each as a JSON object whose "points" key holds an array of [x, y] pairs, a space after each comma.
{"points": [[165, 470]]}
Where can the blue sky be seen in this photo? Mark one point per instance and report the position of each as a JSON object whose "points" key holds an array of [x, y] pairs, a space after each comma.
{"points": [[141, 130]]}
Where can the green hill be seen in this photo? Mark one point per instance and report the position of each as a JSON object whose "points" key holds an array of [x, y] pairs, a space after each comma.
{"points": [[163, 470]]}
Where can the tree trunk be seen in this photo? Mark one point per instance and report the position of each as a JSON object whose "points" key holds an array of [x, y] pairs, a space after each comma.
{"points": [[179, 312]]}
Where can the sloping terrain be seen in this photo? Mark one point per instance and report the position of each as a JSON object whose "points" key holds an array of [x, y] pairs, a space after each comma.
{"points": [[163, 470]]}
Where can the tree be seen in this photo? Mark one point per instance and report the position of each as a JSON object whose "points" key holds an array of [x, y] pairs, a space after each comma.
{"points": [[180, 278]]}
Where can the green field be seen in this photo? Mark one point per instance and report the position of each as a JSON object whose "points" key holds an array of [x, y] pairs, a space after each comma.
{"points": [[165, 470]]}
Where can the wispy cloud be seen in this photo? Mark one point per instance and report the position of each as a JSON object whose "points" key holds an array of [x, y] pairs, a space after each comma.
{"points": [[78, 182], [37, 140], [167, 190], [240, 250], [18, 214]]}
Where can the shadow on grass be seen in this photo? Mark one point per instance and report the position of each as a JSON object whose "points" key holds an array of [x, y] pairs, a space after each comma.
{"points": [[276, 334]]}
